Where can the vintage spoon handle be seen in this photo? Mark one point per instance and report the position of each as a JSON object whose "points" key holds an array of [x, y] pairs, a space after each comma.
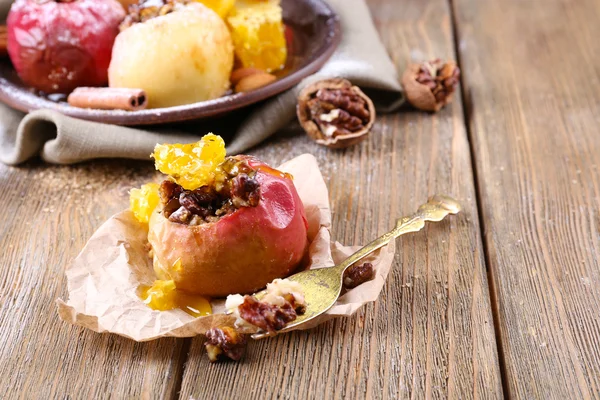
{"points": [[436, 209]]}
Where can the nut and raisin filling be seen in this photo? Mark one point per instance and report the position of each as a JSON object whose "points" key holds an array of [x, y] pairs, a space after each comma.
{"points": [[234, 186], [338, 111], [225, 342], [148, 9]]}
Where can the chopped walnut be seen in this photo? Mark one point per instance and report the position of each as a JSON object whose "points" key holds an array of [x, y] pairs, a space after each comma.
{"points": [[181, 215], [244, 191], [148, 9], [225, 342], [282, 303], [358, 274], [268, 317]]}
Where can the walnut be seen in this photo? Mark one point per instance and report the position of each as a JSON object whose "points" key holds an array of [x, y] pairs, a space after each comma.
{"points": [[268, 317], [358, 274], [334, 113], [225, 342], [429, 86], [245, 191]]}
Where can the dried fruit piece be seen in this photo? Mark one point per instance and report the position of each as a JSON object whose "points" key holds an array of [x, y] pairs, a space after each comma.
{"points": [[143, 201], [429, 86], [191, 165], [335, 113], [258, 35], [225, 342], [241, 73]]}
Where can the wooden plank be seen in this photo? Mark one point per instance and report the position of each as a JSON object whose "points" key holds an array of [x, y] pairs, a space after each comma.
{"points": [[431, 333], [532, 79], [48, 213]]}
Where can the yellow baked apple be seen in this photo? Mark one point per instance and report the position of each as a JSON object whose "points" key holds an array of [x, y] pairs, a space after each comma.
{"points": [[178, 53]]}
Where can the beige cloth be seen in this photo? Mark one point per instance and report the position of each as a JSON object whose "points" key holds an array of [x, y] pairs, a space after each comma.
{"points": [[361, 58]]}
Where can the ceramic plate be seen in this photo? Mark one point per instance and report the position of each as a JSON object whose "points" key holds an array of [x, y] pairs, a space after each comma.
{"points": [[315, 33]]}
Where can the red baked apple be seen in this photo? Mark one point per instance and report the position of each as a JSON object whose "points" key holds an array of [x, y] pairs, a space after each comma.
{"points": [[232, 237], [58, 45]]}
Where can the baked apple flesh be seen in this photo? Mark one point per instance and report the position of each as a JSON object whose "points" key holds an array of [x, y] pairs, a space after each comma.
{"points": [[245, 229]]}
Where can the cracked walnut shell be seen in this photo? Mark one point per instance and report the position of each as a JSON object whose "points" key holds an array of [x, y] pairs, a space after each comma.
{"points": [[429, 86], [335, 113]]}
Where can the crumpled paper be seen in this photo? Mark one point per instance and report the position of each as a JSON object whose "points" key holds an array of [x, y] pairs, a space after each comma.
{"points": [[104, 278]]}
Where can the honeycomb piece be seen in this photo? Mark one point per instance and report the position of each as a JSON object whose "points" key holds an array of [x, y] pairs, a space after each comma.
{"points": [[258, 34], [143, 201], [191, 165], [221, 7]]}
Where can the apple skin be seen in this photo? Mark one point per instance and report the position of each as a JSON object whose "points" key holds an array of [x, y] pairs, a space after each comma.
{"points": [[241, 252], [58, 46], [179, 58]]}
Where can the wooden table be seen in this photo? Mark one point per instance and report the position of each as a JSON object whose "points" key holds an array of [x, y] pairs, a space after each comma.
{"points": [[503, 300]]}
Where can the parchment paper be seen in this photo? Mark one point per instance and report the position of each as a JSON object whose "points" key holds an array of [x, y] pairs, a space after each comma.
{"points": [[104, 278]]}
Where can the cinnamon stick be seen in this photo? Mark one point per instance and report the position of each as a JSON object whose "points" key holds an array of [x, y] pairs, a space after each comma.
{"points": [[104, 98], [3, 41]]}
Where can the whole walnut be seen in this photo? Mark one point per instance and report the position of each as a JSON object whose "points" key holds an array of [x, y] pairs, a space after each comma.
{"points": [[429, 85], [334, 113]]}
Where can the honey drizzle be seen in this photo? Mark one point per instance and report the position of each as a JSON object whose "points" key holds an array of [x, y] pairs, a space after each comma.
{"points": [[272, 171], [164, 296]]}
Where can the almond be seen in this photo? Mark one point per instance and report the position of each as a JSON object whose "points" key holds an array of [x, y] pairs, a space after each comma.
{"points": [[255, 81], [240, 73]]}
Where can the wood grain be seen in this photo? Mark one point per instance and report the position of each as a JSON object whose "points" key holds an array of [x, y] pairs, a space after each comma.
{"points": [[48, 213], [431, 333], [531, 76]]}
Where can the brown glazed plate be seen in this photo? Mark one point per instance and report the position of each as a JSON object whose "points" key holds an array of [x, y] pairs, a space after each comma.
{"points": [[315, 31]]}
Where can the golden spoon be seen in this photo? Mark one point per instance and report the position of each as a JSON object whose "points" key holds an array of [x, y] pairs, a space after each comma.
{"points": [[323, 286]]}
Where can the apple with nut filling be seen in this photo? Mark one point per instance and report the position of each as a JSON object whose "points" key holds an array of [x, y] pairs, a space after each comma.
{"points": [[179, 52], [229, 229]]}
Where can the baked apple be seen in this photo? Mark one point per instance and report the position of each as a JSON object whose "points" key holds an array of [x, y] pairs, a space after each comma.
{"points": [[56, 46], [235, 234], [178, 52]]}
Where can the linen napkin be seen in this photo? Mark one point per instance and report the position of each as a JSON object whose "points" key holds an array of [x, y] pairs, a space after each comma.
{"points": [[361, 58]]}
